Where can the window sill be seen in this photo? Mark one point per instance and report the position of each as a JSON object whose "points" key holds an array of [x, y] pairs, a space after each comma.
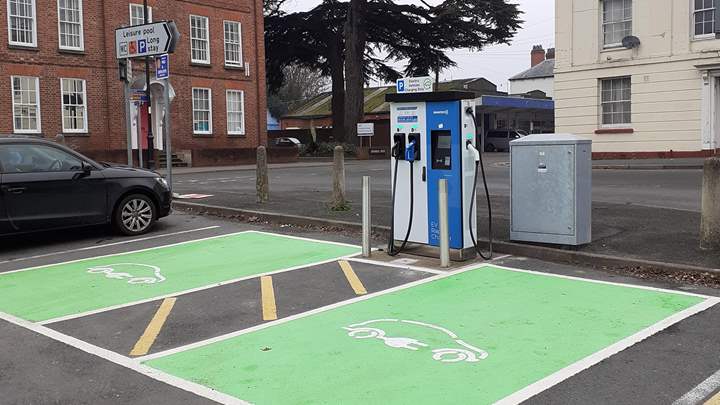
{"points": [[610, 131], [24, 47], [75, 134], [201, 64], [234, 67], [72, 51], [237, 135], [706, 37], [210, 135]]}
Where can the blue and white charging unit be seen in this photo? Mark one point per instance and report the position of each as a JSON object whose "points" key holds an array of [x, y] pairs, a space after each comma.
{"points": [[433, 138]]}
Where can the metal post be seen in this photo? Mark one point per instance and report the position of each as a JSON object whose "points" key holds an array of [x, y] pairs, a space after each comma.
{"points": [[150, 137], [139, 137], [444, 228], [366, 220], [128, 124], [168, 135]]}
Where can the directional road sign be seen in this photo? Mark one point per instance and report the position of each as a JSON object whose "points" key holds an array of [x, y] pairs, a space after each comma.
{"points": [[146, 40]]}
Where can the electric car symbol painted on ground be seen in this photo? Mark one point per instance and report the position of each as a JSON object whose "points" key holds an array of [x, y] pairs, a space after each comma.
{"points": [[132, 272], [369, 330]]}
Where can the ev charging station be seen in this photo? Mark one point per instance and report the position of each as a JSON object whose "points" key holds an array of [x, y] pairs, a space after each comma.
{"points": [[433, 138]]}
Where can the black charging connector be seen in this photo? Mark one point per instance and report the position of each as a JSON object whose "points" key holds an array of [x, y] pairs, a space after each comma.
{"points": [[398, 149]]}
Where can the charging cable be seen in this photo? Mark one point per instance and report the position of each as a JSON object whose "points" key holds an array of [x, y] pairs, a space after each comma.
{"points": [[410, 157], [479, 164]]}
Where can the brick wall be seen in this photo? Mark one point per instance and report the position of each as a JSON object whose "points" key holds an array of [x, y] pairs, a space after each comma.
{"points": [[97, 65]]}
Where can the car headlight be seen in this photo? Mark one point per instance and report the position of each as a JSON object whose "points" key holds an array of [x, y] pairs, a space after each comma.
{"points": [[163, 182]]}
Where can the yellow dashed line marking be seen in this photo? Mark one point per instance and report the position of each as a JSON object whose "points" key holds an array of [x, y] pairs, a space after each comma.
{"points": [[143, 345], [268, 299], [352, 278]]}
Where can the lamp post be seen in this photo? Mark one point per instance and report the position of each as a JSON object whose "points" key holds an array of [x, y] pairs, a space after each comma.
{"points": [[150, 137]]}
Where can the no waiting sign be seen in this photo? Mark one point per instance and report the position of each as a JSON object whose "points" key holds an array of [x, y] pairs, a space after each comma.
{"points": [[146, 40]]}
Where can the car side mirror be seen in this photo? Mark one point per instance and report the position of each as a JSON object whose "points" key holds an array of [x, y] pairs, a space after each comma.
{"points": [[86, 169]]}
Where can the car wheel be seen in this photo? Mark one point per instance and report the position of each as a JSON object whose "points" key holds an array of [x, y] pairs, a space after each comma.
{"points": [[135, 215], [490, 148]]}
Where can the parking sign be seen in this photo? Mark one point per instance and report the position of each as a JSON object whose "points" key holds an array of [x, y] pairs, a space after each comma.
{"points": [[162, 67]]}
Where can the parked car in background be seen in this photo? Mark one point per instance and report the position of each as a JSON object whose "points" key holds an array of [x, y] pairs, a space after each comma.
{"points": [[44, 186], [498, 140], [287, 142]]}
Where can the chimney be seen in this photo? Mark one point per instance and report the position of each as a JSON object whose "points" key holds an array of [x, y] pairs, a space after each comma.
{"points": [[550, 54], [537, 55]]}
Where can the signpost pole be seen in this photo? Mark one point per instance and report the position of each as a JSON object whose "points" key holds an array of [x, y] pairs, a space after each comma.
{"points": [[139, 136], [128, 124], [168, 134], [150, 137]]}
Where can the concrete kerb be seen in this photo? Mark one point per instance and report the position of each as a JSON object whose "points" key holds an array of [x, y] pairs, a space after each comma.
{"points": [[648, 167], [511, 248]]}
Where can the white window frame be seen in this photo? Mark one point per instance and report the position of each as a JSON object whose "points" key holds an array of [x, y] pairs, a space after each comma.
{"points": [[236, 63], [130, 9], [32, 44], [206, 40], [228, 112], [604, 24], [693, 15], [209, 111], [602, 109], [83, 130], [82, 29], [37, 103]]}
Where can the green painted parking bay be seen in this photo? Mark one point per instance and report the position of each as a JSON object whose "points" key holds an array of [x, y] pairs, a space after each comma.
{"points": [[472, 337], [87, 285]]}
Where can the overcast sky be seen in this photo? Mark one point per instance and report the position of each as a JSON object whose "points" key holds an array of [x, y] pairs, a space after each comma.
{"points": [[497, 63]]}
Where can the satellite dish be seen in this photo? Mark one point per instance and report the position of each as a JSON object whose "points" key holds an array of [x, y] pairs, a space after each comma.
{"points": [[631, 42]]}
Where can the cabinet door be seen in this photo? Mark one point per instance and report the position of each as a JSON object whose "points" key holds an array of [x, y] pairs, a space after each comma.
{"points": [[543, 190]]}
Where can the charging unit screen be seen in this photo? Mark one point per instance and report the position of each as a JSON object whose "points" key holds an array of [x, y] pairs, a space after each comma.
{"points": [[441, 150]]}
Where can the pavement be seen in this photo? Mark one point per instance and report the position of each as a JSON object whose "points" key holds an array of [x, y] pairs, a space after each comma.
{"points": [[238, 311], [639, 215]]}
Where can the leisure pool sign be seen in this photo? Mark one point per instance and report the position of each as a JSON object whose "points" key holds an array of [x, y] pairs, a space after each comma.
{"points": [[146, 40]]}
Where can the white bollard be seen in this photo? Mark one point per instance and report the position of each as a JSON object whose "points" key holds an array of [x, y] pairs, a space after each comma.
{"points": [[366, 217], [444, 227]]}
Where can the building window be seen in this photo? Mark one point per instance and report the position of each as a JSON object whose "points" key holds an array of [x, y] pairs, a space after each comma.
{"points": [[199, 39], [235, 105], [137, 14], [26, 104], [233, 44], [202, 111], [616, 102], [21, 22], [70, 24], [617, 21], [74, 107], [704, 17]]}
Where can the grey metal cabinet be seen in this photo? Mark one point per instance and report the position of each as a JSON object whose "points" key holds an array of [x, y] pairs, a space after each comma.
{"points": [[551, 189]]}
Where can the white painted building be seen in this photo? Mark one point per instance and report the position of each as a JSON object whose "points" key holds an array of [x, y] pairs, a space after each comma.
{"points": [[659, 92], [540, 75]]}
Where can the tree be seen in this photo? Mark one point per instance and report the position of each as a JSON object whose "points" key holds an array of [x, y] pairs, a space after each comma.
{"points": [[300, 84], [416, 36], [355, 40]]}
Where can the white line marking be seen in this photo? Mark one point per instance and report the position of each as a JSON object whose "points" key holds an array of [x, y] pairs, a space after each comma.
{"points": [[125, 253], [702, 391], [398, 266], [595, 358], [64, 252], [192, 290], [126, 362], [500, 258], [327, 242], [590, 280], [299, 316]]}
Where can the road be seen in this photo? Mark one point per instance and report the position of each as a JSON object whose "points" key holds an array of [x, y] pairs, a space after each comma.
{"points": [[674, 189], [215, 333]]}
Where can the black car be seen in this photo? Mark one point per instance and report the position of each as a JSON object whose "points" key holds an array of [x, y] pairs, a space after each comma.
{"points": [[44, 185]]}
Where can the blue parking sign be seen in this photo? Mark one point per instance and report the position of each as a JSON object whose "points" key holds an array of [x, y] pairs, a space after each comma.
{"points": [[162, 67], [142, 46], [400, 86]]}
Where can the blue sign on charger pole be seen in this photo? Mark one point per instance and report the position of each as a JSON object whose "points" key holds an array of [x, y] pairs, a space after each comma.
{"points": [[162, 67]]}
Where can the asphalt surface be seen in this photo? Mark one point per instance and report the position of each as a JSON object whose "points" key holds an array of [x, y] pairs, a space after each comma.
{"points": [[35, 369], [640, 214]]}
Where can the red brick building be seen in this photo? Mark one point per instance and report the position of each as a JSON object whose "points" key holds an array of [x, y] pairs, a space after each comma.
{"points": [[58, 75]]}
